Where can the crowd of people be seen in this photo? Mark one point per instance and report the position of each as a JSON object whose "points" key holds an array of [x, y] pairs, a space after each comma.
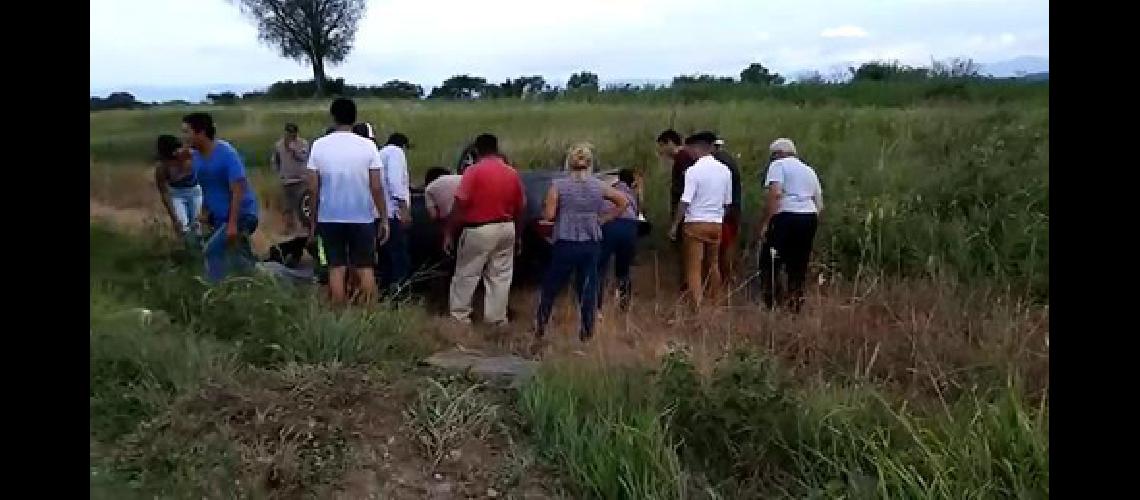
{"points": [[352, 199]]}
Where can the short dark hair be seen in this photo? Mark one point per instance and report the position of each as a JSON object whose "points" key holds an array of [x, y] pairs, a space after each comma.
{"points": [[669, 135], [705, 138], [434, 173], [626, 175], [165, 146], [364, 129], [201, 122], [486, 144], [291, 127], [343, 111], [398, 139]]}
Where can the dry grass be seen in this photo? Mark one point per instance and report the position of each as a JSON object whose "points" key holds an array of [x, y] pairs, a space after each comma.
{"points": [[918, 194], [922, 337], [125, 196]]}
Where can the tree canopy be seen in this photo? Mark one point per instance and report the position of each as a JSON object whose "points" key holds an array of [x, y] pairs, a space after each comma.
{"points": [[312, 31]]}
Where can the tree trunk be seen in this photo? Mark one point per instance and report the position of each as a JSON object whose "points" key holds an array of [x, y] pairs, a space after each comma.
{"points": [[318, 75]]}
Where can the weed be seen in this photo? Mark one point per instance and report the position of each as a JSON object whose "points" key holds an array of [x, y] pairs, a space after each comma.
{"points": [[446, 413]]}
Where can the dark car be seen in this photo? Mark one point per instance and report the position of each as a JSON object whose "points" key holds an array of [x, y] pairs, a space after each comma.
{"points": [[425, 244]]}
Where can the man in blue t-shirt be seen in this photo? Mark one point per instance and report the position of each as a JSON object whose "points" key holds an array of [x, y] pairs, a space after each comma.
{"points": [[226, 196]]}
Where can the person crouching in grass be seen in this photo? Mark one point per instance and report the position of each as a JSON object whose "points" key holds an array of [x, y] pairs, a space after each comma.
{"points": [[178, 187]]}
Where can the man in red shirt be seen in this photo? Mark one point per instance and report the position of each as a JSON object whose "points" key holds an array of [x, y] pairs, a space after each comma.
{"points": [[488, 213], [669, 147]]}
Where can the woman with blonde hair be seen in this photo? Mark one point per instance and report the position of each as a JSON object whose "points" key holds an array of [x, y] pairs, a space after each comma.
{"points": [[575, 205]]}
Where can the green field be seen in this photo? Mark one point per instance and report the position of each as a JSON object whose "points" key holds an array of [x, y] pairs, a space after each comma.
{"points": [[919, 371], [958, 191]]}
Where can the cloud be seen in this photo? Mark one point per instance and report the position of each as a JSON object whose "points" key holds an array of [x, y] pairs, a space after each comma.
{"points": [[845, 31], [131, 42]]}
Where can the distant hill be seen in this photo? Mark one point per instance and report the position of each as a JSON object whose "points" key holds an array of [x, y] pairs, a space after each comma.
{"points": [[1028, 68], [1017, 67], [163, 93]]}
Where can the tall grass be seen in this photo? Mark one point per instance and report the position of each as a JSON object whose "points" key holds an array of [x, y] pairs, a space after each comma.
{"points": [[989, 444], [954, 190], [747, 431], [268, 324], [159, 335], [603, 432], [138, 365], [953, 197]]}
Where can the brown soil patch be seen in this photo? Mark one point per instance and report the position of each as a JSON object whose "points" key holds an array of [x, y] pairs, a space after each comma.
{"points": [[328, 432]]}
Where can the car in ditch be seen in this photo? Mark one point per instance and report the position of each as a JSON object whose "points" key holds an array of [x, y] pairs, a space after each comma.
{"points": [[425, 236]]}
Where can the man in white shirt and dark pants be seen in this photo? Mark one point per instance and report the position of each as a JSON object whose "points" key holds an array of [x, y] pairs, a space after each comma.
{"points": [[395, 263], [704, 200], [344, 175], [791, 216]]}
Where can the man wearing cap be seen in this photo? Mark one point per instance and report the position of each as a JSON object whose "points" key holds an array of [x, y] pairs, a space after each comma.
{"points": [[290, 155], [395, 264], [730, 228], [794, 200], [707, 194]]}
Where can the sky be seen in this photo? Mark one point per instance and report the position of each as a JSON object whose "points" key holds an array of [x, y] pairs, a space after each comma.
{"points": [[168, 43]]}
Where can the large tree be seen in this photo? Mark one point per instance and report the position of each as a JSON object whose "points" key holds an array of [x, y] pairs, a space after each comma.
{"points": [[313, 31], [582, 80], [520, 87], [757, 74], [460, 87]]}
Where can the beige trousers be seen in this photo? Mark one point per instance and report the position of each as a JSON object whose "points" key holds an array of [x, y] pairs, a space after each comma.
{"points": [[488, 253], [702, 249]]}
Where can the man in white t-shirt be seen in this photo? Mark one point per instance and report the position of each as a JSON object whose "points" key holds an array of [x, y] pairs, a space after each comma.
{"points": [[394, 259], [704, 201], [345, 176], [791, 215]]}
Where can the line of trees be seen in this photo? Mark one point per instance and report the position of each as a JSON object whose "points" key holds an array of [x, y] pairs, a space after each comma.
{"points": [[116, 100], [949, 79]]}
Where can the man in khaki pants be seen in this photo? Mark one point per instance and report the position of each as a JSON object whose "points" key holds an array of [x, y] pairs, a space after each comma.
{"points": [[707, 195], [488, 210]]}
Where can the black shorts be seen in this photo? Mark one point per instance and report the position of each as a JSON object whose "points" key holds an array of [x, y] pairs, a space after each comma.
{"points": [[348, 244]]}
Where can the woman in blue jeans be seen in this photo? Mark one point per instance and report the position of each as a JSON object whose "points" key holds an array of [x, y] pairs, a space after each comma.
{"points": [[619, 240], [178, 186], [575, 204]]}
